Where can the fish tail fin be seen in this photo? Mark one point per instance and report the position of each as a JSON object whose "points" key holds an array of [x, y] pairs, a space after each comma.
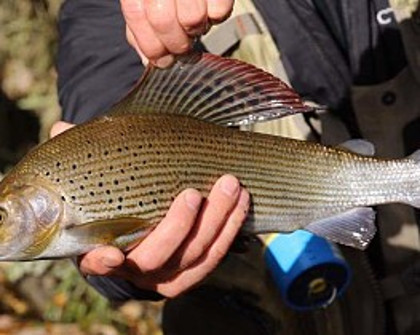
{"points": [[414, 199]]}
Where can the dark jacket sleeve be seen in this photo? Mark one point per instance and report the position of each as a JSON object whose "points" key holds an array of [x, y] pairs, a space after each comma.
{"points": [[96, 68]]}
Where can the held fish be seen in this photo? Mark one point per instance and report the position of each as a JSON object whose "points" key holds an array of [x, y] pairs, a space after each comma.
{"points": [[111, 180]]}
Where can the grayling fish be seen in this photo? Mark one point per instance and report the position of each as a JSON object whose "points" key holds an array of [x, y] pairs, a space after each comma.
{"points": [[110, 181]]}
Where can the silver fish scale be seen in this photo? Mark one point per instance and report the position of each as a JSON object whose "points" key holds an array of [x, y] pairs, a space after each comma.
{"points": [[134, 165]]}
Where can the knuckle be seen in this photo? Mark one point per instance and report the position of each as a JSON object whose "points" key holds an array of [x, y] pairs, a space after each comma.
{"points": [[218, 254], [191, 22], [183, 47], [171, 292], [162, 23], [132, 10], [145, 264]]}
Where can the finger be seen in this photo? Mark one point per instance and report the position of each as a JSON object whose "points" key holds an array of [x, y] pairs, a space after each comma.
{"points": [[160, 245], [219, 10], [208, 262], [162, 15], [144, 35], [101, 261], [132, 41], [192, 15], [60, 127], [217, 208]]}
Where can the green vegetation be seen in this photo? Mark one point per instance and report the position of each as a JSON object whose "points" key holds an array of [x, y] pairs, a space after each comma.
{"points": [[51, 297]]}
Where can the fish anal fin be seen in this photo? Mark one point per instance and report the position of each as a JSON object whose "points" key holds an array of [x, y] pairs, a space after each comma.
{"points": [[120, 232], [355, 227]]}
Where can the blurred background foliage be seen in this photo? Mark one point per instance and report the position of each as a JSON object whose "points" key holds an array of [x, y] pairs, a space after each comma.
{"points": [[46, 297]]}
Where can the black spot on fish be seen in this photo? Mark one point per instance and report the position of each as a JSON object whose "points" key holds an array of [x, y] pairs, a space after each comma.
{"points": [[58, 164], [140, 146], [157, 152], [155, 201], [127, 148], [111, 168], [136, 168], [73, 198], [150, 145], [119, 149], [122, 171], [92, 194], [141, 204], [71, 181], [57, 180], [100, 184], [127, 188], [89, 172], [101, 175], [80, 209], [110, 201], [106, 152], [132, 178], [108, 192], [47, 173], [144, 162], [119, 207], [120, 199], [63, 198], [135, 154], [85, 177], [122, 134], [89, 155], [82, 187], [116, 182]]}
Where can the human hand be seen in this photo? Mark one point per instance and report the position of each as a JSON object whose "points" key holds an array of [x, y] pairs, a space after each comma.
{"points": [[184, 248], [160, 29]]}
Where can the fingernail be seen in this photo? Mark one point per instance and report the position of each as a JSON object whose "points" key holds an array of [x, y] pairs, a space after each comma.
{"points": [[111, 261], [165, 61], [193, 199], [244, 198], [229, 185]]}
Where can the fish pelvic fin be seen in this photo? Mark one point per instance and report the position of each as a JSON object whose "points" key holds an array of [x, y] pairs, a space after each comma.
{"points": [[119, 232], [354, 228], [215, 89]]}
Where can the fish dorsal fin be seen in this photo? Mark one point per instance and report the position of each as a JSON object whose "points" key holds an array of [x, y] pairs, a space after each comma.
{"points": [[214, 89]]}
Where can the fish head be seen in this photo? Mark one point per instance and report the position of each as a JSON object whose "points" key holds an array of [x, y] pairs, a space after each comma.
{"points": [[29, 219]]}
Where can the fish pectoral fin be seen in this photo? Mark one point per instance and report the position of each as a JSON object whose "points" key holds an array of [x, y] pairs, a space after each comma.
{"points": [[119, 232], [359, 146], [354, 228]]}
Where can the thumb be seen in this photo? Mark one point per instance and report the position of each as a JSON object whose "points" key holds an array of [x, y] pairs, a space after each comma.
{"points": [[60, 127]]}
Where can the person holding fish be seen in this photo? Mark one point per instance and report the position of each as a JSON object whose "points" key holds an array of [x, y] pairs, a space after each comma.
{"points": [[196, 233], [192, 239]]}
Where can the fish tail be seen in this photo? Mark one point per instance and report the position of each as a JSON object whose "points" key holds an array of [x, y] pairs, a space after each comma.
{"points": [[414, 197]]}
